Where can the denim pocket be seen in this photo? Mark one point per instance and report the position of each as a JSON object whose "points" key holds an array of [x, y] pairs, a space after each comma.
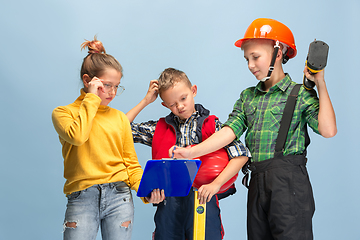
{"points": [[74, 195], [121, 187], [123, 193]]}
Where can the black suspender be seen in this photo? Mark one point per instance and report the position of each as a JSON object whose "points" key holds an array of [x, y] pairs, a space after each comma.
{"points": [[283, 130], [286, 118]]}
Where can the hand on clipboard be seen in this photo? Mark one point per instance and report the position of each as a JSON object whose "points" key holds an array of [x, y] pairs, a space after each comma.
{"points": [[157, 196]]}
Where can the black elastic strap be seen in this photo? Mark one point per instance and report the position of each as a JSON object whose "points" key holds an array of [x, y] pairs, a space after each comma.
{"points": [[272, 63], [286, 118]]}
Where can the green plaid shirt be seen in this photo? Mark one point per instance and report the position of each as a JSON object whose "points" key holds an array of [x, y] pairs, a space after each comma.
{"points": [[260, 113]]}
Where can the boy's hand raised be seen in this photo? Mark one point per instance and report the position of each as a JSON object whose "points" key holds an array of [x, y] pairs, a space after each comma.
{"points": [[152, 92], [150, 97]]}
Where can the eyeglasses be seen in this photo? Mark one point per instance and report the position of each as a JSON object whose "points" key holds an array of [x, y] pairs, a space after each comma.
{"points": [[118, 89]]}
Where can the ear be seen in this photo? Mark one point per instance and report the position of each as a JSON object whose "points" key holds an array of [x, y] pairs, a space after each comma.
{"points": [[86, 79], [279, 55], [194, 90], [162, 103]]}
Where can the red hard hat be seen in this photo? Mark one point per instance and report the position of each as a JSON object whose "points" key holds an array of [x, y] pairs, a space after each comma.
{"points": [[212, 165], [267, 28]]}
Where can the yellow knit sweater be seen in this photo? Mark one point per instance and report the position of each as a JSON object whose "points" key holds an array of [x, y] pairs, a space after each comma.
{"points": [[97, 144]]}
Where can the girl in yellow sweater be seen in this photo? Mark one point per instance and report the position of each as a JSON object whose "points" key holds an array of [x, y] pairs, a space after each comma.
{"points": [[100, 163]]}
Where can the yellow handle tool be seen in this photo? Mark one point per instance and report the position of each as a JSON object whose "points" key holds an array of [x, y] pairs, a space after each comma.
{"points": [[199, 219]]}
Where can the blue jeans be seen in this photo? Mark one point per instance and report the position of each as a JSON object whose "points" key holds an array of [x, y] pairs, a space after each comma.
{"points": [[108, 205]]}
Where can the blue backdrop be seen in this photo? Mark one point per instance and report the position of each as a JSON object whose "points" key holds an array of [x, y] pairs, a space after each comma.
{"points": [[40, 60]]}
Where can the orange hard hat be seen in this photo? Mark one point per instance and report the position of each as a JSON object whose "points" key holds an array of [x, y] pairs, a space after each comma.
{"points": [[267, 28]]}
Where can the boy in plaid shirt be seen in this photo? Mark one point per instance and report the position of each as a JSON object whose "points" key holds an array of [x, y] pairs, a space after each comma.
{"points": [[280, 198]]}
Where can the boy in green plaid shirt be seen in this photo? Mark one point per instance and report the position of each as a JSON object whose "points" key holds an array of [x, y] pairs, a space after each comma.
{"points": [[280, 199]]}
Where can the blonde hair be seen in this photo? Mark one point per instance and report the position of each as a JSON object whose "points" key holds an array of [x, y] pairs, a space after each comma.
{"points": [[97, 61], [169, 77]]}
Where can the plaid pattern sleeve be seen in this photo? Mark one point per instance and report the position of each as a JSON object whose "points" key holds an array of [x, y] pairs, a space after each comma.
{"points": [[237, 118], [143, 132], [236, 148], [310, 108]]}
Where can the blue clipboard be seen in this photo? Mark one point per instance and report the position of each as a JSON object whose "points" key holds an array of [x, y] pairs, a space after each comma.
{"points": [[175, 176]]}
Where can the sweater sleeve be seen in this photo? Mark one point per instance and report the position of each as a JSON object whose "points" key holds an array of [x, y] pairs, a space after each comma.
{"points": [[75, 127], [131, 162]]}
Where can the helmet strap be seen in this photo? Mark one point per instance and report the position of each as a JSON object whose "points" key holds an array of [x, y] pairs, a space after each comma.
{"points": [[272, 63], [285, 57]]}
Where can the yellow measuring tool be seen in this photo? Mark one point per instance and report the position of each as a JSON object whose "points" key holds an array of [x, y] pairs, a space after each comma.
{"points": [[199, 218]]}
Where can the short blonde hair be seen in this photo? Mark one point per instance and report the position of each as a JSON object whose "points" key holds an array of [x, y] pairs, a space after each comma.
{"points": [[169, 77]]}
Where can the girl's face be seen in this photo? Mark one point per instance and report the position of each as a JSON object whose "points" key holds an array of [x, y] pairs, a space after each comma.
{"points": [[258, 55], [111, 80]]}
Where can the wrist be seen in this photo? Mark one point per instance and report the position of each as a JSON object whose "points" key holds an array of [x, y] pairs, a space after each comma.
{"points": [[216, 183], [319, 83], [192, 154], [144, 102]]}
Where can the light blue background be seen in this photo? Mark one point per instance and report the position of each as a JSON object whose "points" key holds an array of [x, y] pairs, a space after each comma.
{"points": [[40, 60]]}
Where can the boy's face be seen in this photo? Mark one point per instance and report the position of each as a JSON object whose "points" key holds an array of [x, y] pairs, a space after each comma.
{"points": [[258, 54], [180, 99]]}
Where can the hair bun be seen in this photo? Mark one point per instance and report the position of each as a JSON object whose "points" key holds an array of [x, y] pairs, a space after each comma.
{"points": [[94, 46]]}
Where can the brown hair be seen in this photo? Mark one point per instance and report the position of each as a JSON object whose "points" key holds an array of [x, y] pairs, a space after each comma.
{"points": [[97, 60], [169, 77]]}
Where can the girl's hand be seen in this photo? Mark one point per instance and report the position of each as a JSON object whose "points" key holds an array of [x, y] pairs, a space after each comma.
{"points": [[152, 92], [156, 197], [95, 86]]}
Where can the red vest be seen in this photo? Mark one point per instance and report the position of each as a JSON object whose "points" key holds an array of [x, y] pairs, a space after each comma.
{"points": [[164, 137], [212, 164]]}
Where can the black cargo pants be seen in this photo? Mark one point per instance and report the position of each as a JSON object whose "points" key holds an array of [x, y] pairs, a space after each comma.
{"points": [[280, 199]]}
